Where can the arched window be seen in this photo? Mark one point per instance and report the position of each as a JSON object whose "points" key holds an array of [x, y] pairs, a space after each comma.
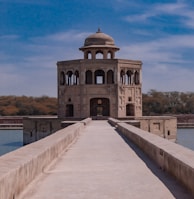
{"points": [[76, 77], [110, 77], [99, 77], [89, 55], [99, 54], [69, 78], [62, 78], [122, 77], [136, 77], [128, 80], [110, 55], [88, 77]]}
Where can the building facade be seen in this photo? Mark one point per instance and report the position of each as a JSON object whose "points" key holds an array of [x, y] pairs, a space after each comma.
{"points": [[99, 85]]}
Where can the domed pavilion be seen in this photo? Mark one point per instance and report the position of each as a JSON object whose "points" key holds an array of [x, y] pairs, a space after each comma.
{"points": [[99, 43], [99, 85]]}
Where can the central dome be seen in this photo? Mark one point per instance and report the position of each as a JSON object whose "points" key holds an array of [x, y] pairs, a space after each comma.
{"points": [[99, 38], [99, 43]]}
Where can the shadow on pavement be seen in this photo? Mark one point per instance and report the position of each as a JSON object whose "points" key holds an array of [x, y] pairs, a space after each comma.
{"points": [[171, 183]]}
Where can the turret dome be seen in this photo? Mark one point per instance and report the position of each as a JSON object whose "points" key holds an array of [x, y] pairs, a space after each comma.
{"points": [[99, 38], [99, 42]]}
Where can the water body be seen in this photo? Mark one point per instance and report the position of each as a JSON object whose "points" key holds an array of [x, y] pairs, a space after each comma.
{"points": [[10, 140], [13, 139], [185, 137]]}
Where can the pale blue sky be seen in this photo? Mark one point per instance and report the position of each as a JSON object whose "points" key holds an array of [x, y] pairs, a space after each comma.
{"points": [[35, 34]]}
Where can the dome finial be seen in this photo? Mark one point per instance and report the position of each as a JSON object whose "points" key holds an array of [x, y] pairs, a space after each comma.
{"points": [[98, 30]]}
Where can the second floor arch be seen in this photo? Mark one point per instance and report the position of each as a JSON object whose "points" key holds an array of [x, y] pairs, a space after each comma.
{"points": [[130, 77], [69, 78], [110, 77], [62, 78], [99, 77], [136, 77], [88, 77]]}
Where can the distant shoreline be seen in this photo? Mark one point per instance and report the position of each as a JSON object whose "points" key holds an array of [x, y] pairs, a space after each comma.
{"points": [[185, 125]]}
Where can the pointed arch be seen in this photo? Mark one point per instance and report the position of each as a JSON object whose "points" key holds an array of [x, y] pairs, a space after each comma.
{"points": [[62, 78], [89, 55], [122, 77], [88, 77], [136, 77], [99, 54], [69, 78], [99, 77], [129, 75], [76, 77], [110, 77], [110, 55]]}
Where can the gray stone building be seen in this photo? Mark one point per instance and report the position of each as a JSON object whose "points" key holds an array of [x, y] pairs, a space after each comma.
{"points": [[99, 85]]}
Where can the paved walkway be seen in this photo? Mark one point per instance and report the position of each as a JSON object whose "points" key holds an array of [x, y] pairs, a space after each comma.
{"points": [[101, 165]]}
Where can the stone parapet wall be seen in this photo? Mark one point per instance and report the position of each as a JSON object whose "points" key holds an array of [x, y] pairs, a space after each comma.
{"points": [[86, 121], [163, 126], [36, 128], [20, 167], [113, 121], [171, 157]]}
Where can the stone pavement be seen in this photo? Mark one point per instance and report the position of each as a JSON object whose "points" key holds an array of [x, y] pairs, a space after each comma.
{"points": [[100, 164]]}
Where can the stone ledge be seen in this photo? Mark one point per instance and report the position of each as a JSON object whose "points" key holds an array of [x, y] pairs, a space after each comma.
{"points": [[86, 121], [20, 167], [171, 157]]}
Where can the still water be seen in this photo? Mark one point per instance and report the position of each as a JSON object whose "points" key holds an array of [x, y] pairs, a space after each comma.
{"points": [[10, 140], [185, 137], [13, 139]]}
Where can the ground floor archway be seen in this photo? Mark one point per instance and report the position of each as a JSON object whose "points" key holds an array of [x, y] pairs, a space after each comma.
{"points": [[99, 107], [69, 110], [130, 110]]}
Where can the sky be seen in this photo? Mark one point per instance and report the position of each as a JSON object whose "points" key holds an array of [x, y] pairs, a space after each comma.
{"points": [[35, 34]]}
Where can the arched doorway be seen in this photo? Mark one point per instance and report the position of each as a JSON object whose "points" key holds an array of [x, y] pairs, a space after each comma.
{"points": [[69, 110], [99, 107], [130, 110]]}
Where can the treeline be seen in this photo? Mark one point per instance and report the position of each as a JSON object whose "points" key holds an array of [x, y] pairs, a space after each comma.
{"points": [[23, 105], [162, 103], [154, 103]]}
